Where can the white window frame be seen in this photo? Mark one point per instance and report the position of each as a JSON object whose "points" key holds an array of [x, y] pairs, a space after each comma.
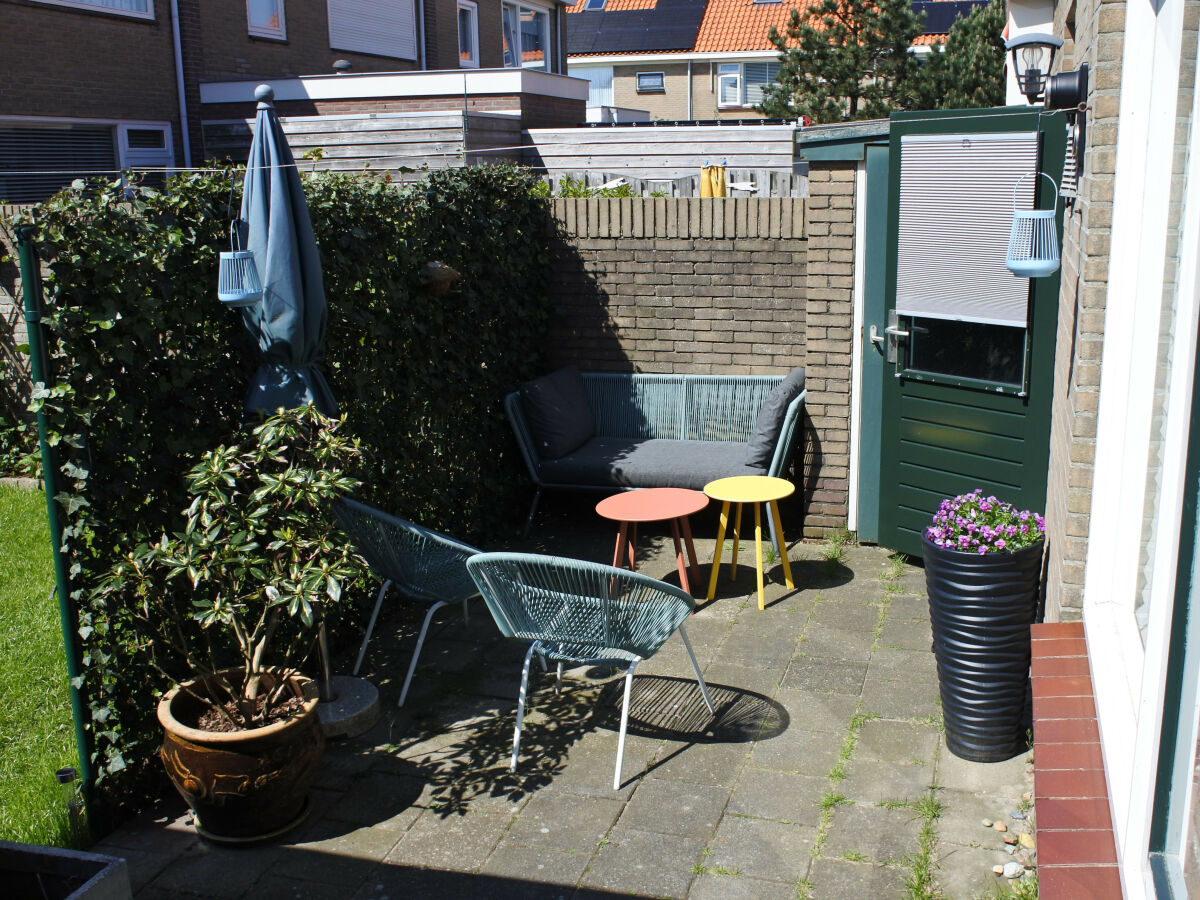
{"points": [[738, 80], [468, 6], [519, 6], [95, 7], [279, 34], [662, 83]]}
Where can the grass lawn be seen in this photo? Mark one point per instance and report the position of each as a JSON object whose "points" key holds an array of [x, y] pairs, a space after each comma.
{"points": [[36, 734]]}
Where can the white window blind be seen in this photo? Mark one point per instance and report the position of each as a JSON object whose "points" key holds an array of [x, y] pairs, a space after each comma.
{"points": [[956, 212], [600, 84], [381, 27], [758, 76]]}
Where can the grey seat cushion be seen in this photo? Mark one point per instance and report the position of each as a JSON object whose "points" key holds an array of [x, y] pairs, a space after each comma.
{"points": [[762, 443], [557, 410], [633, 462]]}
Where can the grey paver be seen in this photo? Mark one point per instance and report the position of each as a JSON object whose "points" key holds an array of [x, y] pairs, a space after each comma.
{"points": [[633, 861], [837, 879], [800, 751], [825, 675], [879, 834], [904, 634], [275, 887], [675, 807], [748, 678], [701, 763], [897, 742], [779, 795], [965, 872], [756, 651], [761, 848], [456, 842], [561, 821], [812, 711], [531, 864], [895, 696], [217, 872], [709, 886], [379, 799], [1004, 779], [334, 852], [878, 781], [960, 822]]}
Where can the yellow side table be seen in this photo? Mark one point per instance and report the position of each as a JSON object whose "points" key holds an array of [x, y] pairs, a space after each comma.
{"points": [[756, 489]]}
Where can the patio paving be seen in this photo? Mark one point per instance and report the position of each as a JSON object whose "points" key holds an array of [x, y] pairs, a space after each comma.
{"points": [[823, 774]]}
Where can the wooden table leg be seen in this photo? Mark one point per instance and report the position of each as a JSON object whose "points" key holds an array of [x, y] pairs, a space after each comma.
{"points": [[716, 564], [683, 577], [737, 530], [787, 569], [758, 551], [691, 548], [633, 546], [621, 532]]}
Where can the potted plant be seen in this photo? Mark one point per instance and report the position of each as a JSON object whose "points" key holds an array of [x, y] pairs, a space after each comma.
{"points": [[983, 570], [232, 600]]}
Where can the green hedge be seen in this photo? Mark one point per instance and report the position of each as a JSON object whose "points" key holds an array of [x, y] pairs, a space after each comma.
{"points": [[150, 371]]}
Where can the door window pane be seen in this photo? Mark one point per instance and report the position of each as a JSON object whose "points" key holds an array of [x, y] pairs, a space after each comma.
{"points": [[468, 35], [535, 29], [991, 353], [510, 36]]}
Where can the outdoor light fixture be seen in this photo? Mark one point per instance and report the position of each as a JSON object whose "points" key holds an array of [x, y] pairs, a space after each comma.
{"points": [[341, 66], [238, 283], [1032, 57]]}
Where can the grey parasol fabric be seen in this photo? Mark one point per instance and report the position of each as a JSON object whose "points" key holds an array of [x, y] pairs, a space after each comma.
{"points": [[289, 320]]}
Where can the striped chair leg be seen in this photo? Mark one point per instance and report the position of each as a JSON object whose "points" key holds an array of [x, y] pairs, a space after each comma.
{"points": [[624, 725], [512, 766], [412, 666], [362, 651], [696, 668]]}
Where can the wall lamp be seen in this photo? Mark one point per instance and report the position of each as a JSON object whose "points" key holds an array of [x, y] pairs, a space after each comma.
{"points": [[1032, 58]]}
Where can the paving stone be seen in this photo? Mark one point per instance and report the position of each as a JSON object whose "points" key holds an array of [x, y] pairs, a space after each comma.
{"points": [[556, 820], [959, 822], [675, 807], [878, 781], [899, 634], [825, 675], [813, 711], [916, 665], [757, 652], [460, 843], [1004, 779], [716, 764], [880, 834], [738, 887], [275, 887], [335, 852], [554, 867], [799, 751], [405, 882], [895, 696], [167, 828], [909, 607], [837, 640], [760, 848], [764, 682], [380, 799], [643, 862], [835, 879], [781, 796], [967, 871], [898, 742], [217, 872], [143, 865]]}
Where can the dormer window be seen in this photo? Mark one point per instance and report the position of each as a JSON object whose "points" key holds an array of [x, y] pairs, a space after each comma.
{"points": [[594, 4]]}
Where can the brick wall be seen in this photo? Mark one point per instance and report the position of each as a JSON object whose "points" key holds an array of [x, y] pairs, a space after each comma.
{"points": [[722, 286], [672, 103], [829, 314], [1094, 32]]}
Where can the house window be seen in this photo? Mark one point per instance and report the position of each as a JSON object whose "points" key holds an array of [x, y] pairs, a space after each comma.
{"points": [[468, 34], [651, 83], [526, 36], [264, 18], [742, 84], [594, 4], [140, 9], [379, 27]]}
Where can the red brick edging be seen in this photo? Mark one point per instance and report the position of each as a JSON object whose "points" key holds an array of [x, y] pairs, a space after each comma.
{"points": [[1076, 852]]}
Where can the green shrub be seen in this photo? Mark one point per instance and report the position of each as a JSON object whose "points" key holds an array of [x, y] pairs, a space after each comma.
{"points": [[150, 372]]}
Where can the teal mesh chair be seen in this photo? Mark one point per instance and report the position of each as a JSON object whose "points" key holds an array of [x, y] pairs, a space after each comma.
{"points": [[581, 612], [420, 563]]}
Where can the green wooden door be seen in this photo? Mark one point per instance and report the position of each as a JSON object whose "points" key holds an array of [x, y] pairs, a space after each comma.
{"points": [[965, 401]]}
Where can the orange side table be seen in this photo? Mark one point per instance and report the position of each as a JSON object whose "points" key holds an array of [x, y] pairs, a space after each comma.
{"points": [[672, 505], [756, 489]]}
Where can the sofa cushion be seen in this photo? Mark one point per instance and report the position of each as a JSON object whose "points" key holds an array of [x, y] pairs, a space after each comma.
{"points": [[761, 447], [634, 462], [557, 410]]}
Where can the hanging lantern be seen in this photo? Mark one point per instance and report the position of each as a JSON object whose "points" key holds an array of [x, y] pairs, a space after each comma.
{"points": [[238, 283], [1033, 242]]}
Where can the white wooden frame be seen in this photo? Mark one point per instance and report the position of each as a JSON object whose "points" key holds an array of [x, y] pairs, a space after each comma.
{"points": [[468, 6], [108, 10], [262, 31]]}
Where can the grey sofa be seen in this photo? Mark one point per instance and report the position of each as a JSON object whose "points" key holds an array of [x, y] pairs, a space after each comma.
{"points": [[606, 432]]}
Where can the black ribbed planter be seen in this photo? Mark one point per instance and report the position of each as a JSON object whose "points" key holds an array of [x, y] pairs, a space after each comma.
{"points": [[981, 608]]}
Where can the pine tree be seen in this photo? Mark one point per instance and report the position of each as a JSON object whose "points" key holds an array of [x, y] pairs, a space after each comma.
{"points": [[843, 59], [969, 72]]}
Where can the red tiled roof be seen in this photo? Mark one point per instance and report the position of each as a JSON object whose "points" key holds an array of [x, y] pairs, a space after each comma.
{"points": [[924, 40], [730, 25]]}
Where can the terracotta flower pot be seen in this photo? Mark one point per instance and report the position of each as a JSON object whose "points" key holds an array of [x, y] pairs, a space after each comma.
{"points": [[248, 785], [980, 610]]}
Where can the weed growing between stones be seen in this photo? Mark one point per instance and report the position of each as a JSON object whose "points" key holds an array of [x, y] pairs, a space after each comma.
{"points": [[919, 883]]}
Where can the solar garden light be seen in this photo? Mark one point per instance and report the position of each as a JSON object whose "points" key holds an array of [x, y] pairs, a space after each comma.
{"points": [[238, 283], [67, 776]]}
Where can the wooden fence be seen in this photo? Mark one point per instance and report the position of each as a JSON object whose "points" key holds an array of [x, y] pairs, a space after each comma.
{"points": [[751, 218]]}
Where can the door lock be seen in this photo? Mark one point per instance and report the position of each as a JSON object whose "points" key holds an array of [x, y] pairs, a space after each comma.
{"points": [[890, 339]]}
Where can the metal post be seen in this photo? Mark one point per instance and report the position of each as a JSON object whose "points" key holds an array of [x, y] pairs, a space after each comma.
{"points": [[31, 288]]}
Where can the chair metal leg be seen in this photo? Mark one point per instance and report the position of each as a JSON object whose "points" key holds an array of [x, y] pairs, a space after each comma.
{"points": [[466, 610], [537, 495], [624, 724], [362, 651], [558, 679], [512, 766], [696, 667], [412, 666]]}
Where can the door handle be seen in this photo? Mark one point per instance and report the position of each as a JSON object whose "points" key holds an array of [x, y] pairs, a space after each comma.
{"points": [[876, 337], [893, 330]]}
